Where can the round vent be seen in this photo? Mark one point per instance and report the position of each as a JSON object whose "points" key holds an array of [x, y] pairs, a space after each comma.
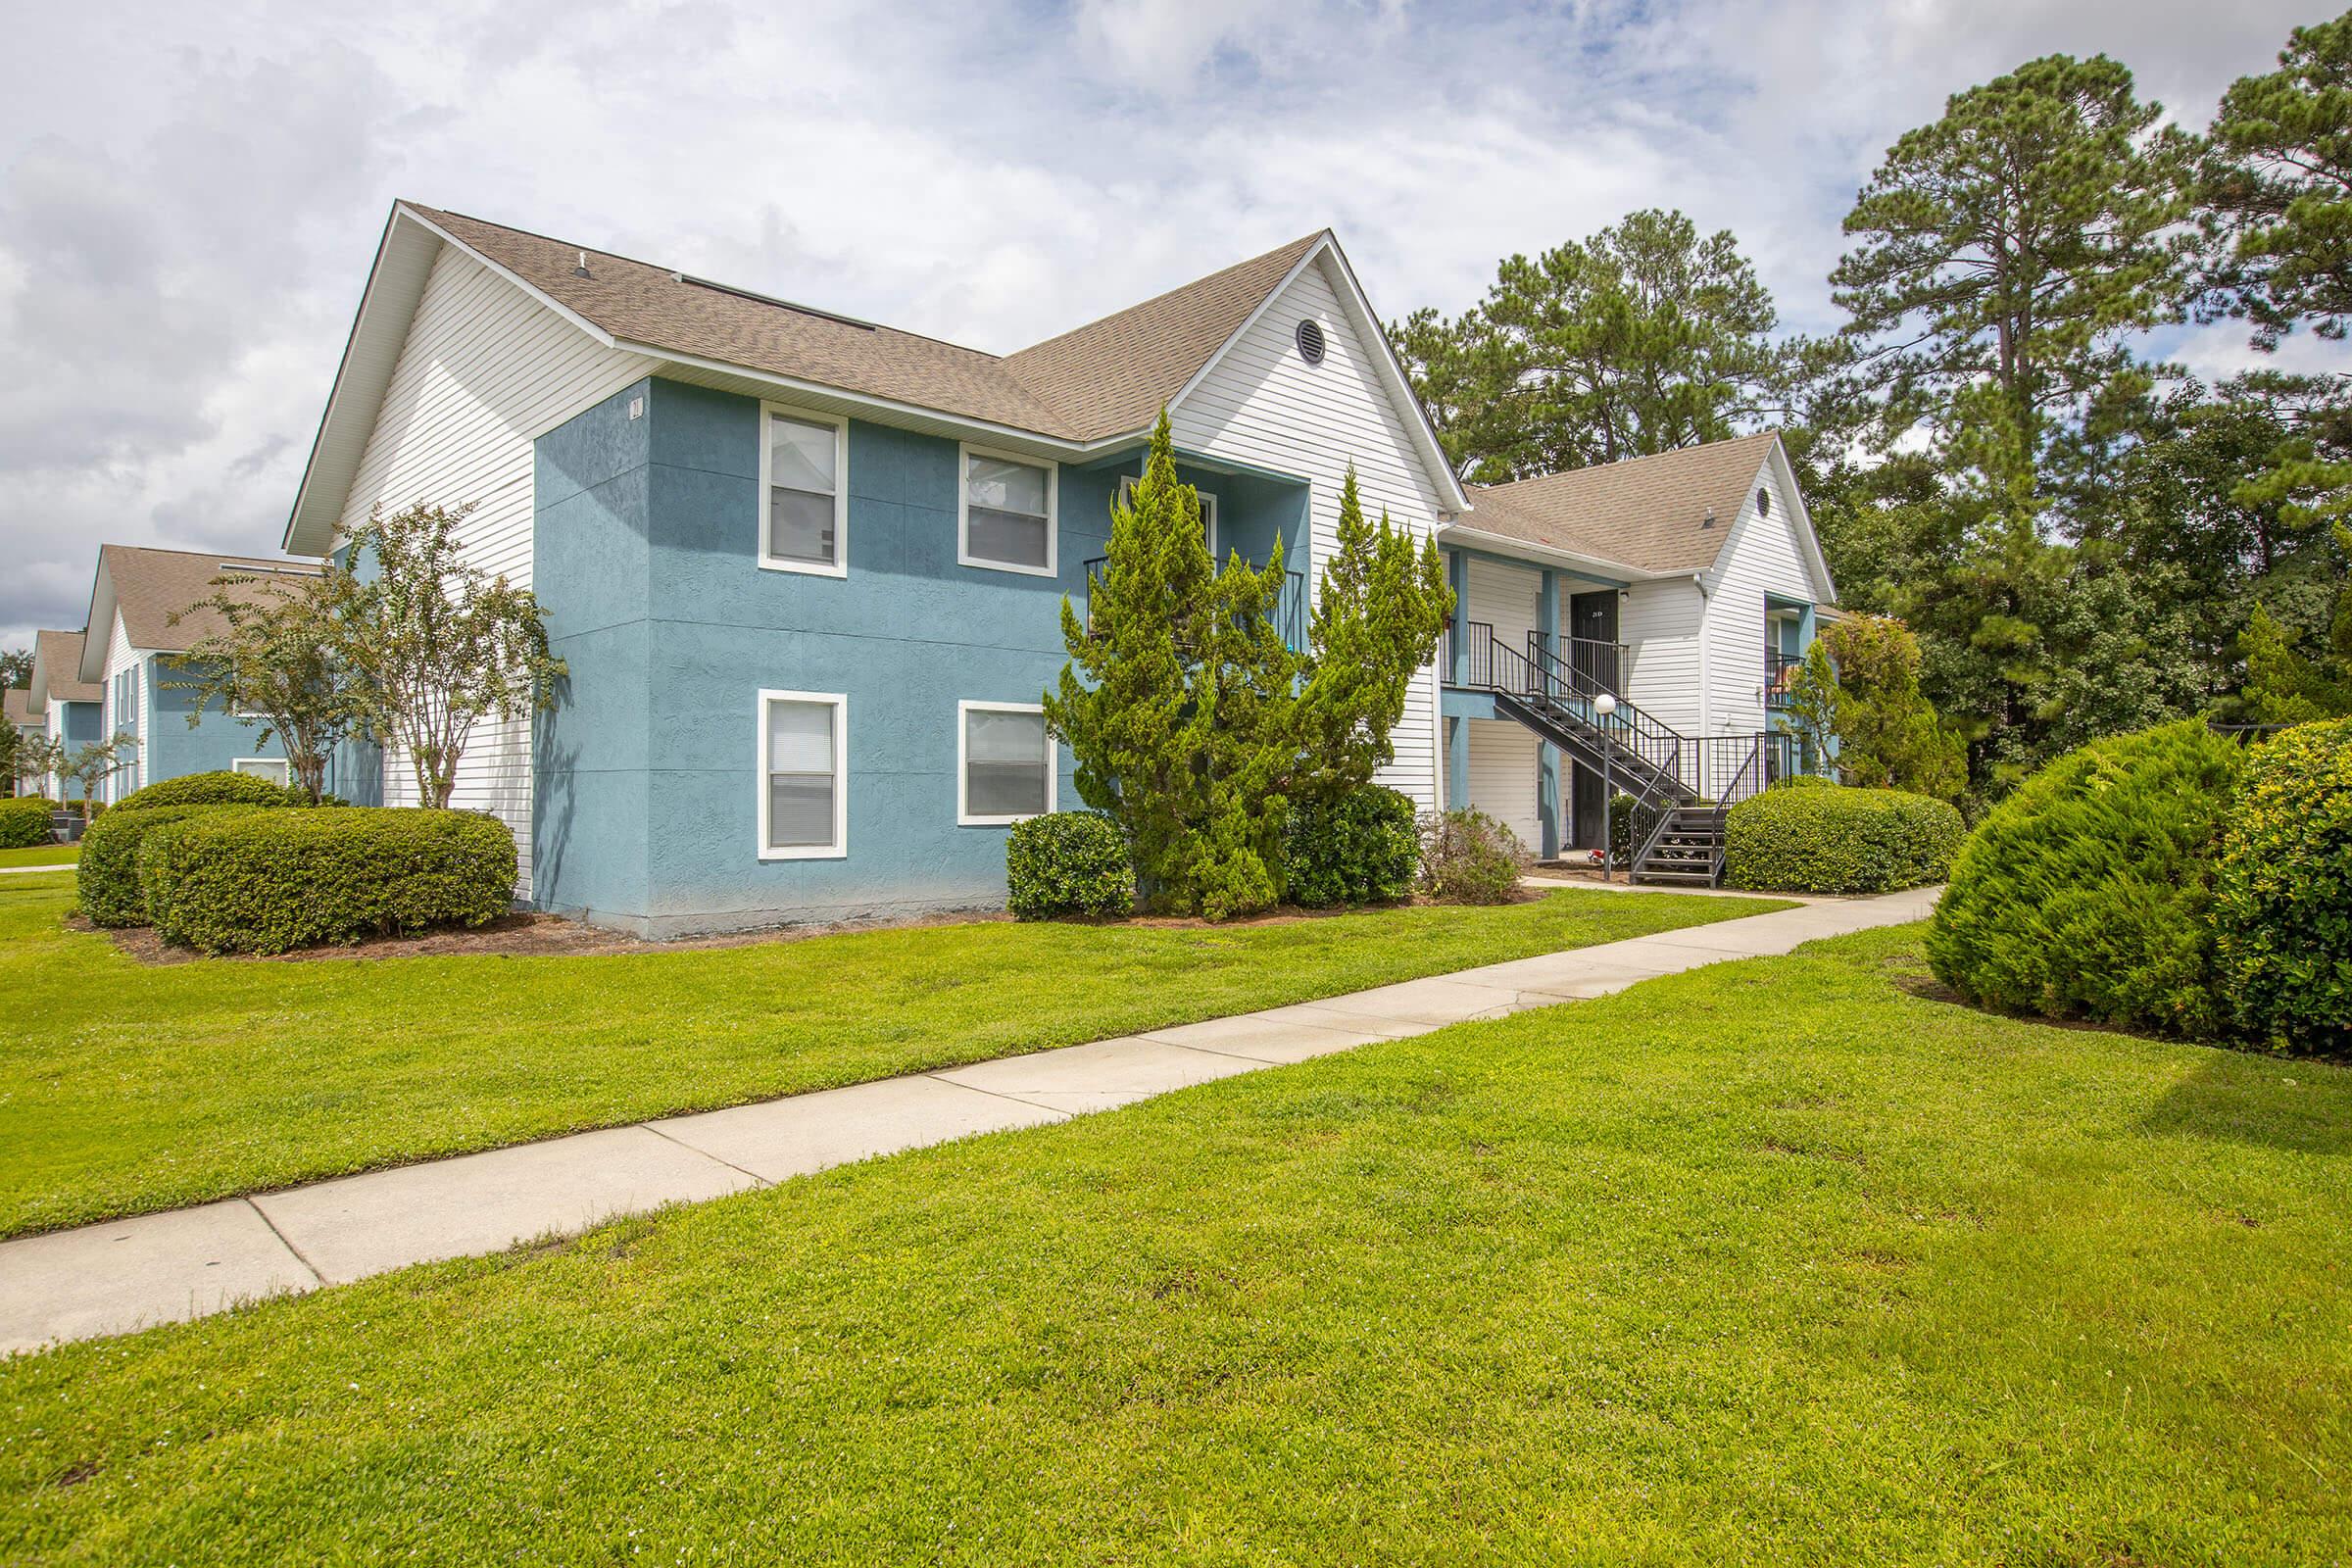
{"points": [[1763, 502], [1310, 341]]}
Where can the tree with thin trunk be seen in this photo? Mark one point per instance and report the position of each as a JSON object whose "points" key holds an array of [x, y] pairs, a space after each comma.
{"points": [[273, 665], [2018, 243], [431, 645]]}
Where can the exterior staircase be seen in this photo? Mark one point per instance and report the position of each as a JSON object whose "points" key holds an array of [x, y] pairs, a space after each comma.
{"points": [[1684, 785]]}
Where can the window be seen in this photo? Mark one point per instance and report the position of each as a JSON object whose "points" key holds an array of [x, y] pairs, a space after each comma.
{"points": [[1004, 764], [1006, 518], [273, 768], [804, 508], [804, 775], [1209, 510]]}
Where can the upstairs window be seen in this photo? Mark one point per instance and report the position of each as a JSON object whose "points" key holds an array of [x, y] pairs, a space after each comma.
{"points": [[1007, 767], [804, 783], [803, 510], [1006, 518]]}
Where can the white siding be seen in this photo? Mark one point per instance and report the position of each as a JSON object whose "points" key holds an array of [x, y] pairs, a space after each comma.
{"points": [[1762, 557], [1506, 598], [120, 656], [1265, 406], [1503, 776], [1660, 623], [486, 371]]}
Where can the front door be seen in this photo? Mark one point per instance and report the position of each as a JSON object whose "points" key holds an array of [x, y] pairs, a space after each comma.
{"points": [[1593, 623]]}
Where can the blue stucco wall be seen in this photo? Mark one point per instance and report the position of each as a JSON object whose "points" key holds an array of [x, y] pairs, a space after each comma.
{"points": [[175, 747], [84, 724], [645, 563]]}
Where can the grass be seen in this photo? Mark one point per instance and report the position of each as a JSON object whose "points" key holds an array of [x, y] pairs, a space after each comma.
{"points": [[42, 855], [127, 1086], [1769, 1263]]}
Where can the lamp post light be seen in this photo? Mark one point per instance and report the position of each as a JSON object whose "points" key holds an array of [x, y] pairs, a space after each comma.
{"points": [[1602, 706]]}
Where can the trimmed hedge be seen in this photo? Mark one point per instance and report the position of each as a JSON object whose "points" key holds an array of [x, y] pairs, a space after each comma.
{"points": [[2087, 892], [24, 821], [106, 889], [274, 881], [1469, 858], [1067, 863], [1830, 840], [213, 789], [1361, 848], [2283, 892]]}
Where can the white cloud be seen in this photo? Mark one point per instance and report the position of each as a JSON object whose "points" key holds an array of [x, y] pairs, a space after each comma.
{"points": [[189, 195]]}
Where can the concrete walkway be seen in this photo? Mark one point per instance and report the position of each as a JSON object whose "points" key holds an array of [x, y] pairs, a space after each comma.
{"points": [[160, 1269], [29, 870]]}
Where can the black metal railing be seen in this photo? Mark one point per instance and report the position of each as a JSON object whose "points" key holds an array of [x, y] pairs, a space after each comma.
{"points": [[1780, 678], [1289, 611]]}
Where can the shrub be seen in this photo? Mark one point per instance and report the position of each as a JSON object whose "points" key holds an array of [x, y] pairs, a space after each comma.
{"points": [[1067, 863], [1469, 858], [1360, 849], [1808, 838], [273, 881], [106, 887], [213, 789], [24, 822], [1630, 823], [2086, 892], [2283, 892]]}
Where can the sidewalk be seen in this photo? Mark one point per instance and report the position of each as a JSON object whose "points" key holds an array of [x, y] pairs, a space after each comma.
{"points": [[159, 1268]]}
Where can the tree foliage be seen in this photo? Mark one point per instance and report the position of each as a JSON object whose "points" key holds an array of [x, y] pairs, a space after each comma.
{"points": [[277, 665], [2275, 179], [16, 666], [429, 645], [1641, 339], [1193, 725], [1888, 735]]}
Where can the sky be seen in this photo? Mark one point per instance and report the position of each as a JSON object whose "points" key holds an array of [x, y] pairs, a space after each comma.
{"points": [[190, 195]]}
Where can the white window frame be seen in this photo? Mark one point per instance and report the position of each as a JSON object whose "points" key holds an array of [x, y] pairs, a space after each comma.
{"points": [[1208, 509], [963, 777], [839, 849], [965, 452], [262, 767], [769, 560]]}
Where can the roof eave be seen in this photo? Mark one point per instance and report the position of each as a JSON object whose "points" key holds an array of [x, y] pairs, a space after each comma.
{"points": [[1506, 544]]}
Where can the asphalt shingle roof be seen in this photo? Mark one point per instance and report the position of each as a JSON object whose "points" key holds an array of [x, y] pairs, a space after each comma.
{"points": [[151, 586], [1100, 379], [1645, 512], [60, 653]]}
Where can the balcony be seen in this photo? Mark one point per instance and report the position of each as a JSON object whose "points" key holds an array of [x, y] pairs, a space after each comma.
{"points": [[1290, 612], [1780, 679]]}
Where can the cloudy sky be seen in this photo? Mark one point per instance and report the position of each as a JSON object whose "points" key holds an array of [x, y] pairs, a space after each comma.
{"points": [[189, 195]]}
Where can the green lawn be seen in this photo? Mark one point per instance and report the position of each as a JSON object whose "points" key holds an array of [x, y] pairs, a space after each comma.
{"points": [[1769, 1263], [125, 1086], [42, 855]]}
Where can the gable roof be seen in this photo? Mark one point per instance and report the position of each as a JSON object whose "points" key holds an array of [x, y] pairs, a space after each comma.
{"points": [[147, 588], [16, 704], [1649, 513], [57, 668], [1092, 385]]}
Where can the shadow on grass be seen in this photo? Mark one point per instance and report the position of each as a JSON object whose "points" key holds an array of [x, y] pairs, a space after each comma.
{"points": [[2301, 1107]]}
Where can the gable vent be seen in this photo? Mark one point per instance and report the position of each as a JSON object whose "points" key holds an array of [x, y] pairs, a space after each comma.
{"points": [[1763, 502], [1311, 340]]}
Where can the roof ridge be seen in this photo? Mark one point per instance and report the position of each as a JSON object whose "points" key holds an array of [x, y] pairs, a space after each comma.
{"points": [[1620, 464], [742, 291], [1165, 294]]}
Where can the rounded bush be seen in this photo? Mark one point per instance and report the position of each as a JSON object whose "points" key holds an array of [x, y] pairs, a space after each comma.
{"points": [[2283, 892], [106, 888], [1797, 838], [274, 881], [213, 789], [1067, 863], [2087, 892], [24, 822], [1469, 858], [1361, 848]]}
